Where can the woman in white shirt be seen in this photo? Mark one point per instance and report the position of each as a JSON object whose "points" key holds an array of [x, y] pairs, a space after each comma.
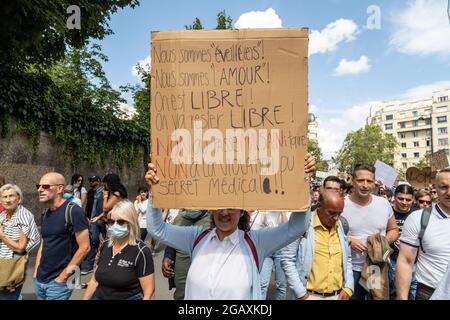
{"points": [[226, 260], [79, 191]]}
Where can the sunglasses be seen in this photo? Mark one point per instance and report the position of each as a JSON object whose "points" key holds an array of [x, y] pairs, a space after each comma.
{"points": [[47, 186], [425, 201], [120, 222]]}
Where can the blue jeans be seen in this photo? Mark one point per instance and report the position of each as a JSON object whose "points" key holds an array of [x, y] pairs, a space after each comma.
{"points": [[359, 293], [95, 229], [5, 295], [51, 290], [393, 290], [280, 280]]}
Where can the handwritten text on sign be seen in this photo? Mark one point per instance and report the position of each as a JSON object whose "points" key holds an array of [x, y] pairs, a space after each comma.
{"points": [[229, 118]]}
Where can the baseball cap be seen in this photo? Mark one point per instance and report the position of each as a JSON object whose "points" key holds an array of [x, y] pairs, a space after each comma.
{"points": [[94, 178]]}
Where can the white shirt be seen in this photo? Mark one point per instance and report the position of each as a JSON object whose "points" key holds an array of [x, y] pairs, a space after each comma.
{"points": [[431, 264], [219, 271], [142, 211], [365, 221], [172, 215]]}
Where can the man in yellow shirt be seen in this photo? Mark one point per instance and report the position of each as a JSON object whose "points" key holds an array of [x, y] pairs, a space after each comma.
{"points": [[318, 266]]}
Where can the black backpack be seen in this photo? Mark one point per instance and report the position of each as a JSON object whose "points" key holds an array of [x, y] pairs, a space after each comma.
{"points": [[424, 219]]}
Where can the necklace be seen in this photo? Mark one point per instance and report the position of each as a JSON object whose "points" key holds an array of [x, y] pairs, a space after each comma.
{"points": [[119, 250]]}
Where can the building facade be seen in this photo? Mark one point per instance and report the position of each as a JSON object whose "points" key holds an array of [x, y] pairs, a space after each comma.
{"points": [[420, 126]]}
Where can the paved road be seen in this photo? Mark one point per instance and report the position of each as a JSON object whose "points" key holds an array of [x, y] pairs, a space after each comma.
{"points": [[162, 287]]}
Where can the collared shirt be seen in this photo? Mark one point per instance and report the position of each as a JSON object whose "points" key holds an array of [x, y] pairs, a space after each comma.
{"points": [[326, 274], [219, 270]]}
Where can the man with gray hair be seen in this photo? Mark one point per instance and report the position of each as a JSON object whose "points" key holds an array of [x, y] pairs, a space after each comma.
{"points": [[426, 236], [65, 240]]}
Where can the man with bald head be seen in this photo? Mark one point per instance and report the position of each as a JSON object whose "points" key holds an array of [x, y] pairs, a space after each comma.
{"points": [[318, 266], [63, 246]]}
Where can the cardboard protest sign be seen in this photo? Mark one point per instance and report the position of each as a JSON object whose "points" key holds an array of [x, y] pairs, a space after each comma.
{"points": [[420, 178], [385, 173], [322, 174], [439, 160], [229, 118]]}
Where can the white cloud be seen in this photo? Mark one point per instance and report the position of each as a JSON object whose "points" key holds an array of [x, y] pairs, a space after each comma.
{"points": [[353, 66], [259, 19], [145, 63], [332, 132], [333, 34], [422, 28], [425, 90]]}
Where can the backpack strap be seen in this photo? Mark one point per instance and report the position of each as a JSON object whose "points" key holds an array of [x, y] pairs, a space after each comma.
{"points": [[200, 237], [252, 248], [68, 217], [424, 219]]}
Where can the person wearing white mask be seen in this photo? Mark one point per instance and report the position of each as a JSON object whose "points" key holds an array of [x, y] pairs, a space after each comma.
{"points": [[125, 268]]}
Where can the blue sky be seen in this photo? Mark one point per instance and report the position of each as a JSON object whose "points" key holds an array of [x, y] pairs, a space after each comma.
{"points": [[350, 67]]}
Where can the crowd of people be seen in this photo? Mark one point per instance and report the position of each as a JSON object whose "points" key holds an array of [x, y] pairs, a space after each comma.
{"points": [[358, 240]]}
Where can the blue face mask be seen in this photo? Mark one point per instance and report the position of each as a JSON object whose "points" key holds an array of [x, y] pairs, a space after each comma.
{"points": [[118, 232], [192, 214]]}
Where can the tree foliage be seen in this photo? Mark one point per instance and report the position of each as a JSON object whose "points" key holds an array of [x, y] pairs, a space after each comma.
{"points": [[36, 31], [223, 22], [366, 145], [316, 152]]}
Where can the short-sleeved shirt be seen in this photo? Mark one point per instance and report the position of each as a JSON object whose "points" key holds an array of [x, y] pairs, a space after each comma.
{"points": [[431, 264], [365, 221], [118, 276], [400, 217], [59, 244]]}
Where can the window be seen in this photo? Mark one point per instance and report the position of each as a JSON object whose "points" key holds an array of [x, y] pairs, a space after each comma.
{"points": [[403, 144], [405, 165], [415, 123], [416, 155], [443, 142], [442, 119], [415, 113], [428, 143], [415, 134], [427, 121], [402, 135], [442, 109], [402, 125], [389, 117], [443, 99], [388, 126], [404, 155], [428, 132], [416, 144], [442, 130]]}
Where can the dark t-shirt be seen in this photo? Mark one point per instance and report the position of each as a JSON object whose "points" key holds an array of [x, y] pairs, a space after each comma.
{"points": [[118, 276], [58, 244], [400, 218]]}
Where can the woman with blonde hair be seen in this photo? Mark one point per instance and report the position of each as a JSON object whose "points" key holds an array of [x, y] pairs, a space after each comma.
{"points": [[125, 266]]}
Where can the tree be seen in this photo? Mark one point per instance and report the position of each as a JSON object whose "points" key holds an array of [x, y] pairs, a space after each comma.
{"points": [[37, 32], [223, 22], [366, 145], [314, 149], [196, 25], [423, 163]]}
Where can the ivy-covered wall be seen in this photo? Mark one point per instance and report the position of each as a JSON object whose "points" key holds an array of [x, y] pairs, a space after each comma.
{"points": [[23, 164]]}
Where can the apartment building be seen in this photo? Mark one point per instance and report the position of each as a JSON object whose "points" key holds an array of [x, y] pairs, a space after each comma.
{"points": [[421, 126]]}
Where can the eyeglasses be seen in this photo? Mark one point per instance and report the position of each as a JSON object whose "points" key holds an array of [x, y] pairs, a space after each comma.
{"points": [[120, 222], [424, 201], [47, 186]]}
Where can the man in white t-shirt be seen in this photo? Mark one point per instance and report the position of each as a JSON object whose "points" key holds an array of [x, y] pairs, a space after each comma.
{"points": [[366, 214], [433, 254]]}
